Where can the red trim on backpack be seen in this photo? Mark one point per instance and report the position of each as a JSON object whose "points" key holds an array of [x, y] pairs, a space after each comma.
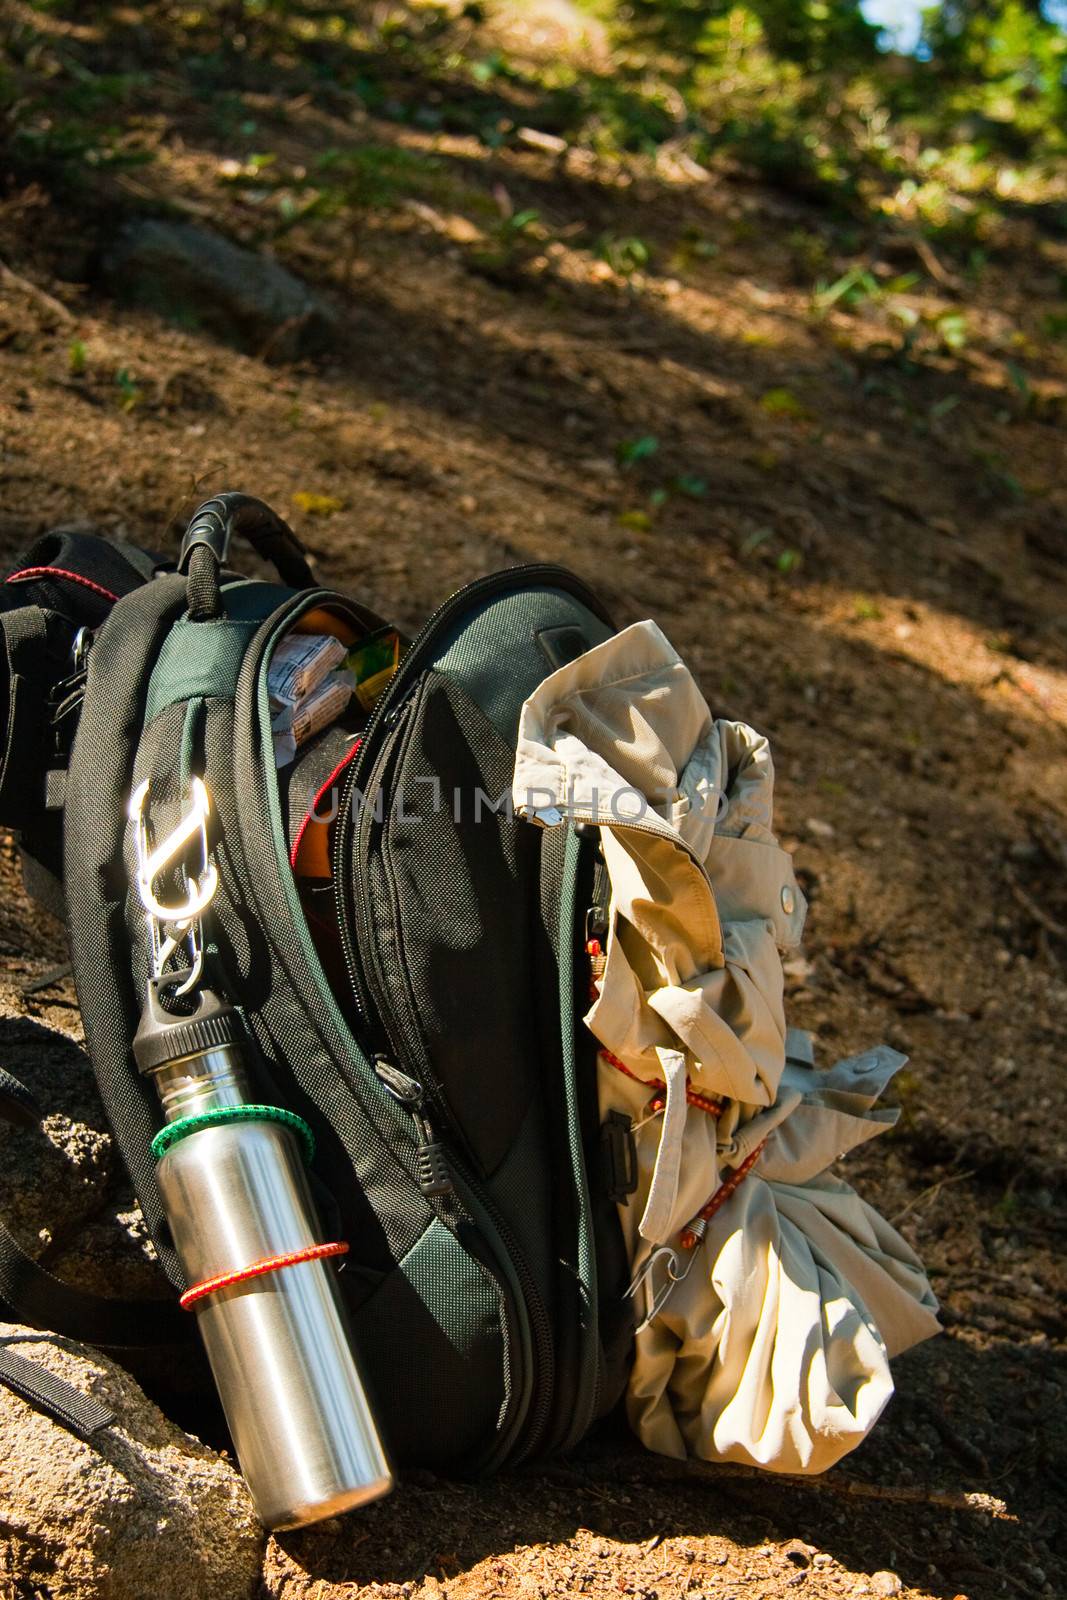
{"points": [[61, 572], [313, 807]]}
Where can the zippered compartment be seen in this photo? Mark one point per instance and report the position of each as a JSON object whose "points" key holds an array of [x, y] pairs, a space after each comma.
{"points": [[365, 775], [441, 887], [441, 891], [406, 899], [379, 1133]]}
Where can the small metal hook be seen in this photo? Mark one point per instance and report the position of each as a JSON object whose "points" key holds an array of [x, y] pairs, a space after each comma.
{"points": [[656, 1299], [79, 650]]}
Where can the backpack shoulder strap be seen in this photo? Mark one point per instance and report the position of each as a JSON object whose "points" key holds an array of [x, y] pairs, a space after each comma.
{"points": [[30, 1293]]}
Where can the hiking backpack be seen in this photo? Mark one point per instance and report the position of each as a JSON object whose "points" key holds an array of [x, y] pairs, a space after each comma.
{"points": [[445, 1071]]}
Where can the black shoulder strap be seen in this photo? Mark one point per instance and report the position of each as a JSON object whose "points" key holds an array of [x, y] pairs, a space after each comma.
{"points": [[31, 1294], [57, 1398]]}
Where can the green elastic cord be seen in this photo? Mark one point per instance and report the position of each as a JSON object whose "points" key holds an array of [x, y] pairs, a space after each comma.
{"points": [[175, 1131]]}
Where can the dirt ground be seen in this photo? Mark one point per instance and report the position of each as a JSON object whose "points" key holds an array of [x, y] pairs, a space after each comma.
{"points": [[873, 577]]}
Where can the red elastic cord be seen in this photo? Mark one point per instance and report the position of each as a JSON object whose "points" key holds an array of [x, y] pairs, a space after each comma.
{"points": [[312, 811], [721, 1195], [226, 1280], [61, 572], [703, 1102]]}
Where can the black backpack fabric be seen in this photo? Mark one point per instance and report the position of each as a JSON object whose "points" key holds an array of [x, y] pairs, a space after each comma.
{"points": [[446, 1073]]}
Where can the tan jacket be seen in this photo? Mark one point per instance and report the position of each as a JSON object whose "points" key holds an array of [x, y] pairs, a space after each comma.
{"points": [[774, 1347]]}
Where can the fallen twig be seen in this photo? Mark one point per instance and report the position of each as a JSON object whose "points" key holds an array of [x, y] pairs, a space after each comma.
{"points": [[942, 1183], [849, 1488], [1039, 914], [41, 297], [933, 266]]}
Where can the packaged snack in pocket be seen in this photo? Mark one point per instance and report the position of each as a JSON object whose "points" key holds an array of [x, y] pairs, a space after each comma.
{"points": [[300, 663], [293, 725]]}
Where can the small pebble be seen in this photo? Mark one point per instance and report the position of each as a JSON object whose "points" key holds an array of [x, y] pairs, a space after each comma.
{"points": [[885, 1583]]}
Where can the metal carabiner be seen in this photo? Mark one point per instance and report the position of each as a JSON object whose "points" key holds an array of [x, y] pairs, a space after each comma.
{"points": [[170, 926], [150, 863]]}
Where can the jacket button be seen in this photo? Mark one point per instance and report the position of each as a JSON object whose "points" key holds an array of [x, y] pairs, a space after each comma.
{"points": [[789, 900]]}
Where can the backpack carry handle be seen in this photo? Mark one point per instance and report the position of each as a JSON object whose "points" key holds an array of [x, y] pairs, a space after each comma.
{"points": [[207, 542]]}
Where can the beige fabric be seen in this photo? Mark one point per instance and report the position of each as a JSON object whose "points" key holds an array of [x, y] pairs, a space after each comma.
{"points": [[774, 1348]]}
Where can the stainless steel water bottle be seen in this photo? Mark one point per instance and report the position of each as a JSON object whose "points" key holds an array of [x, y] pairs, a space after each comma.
{"points": [[261, 1282]]}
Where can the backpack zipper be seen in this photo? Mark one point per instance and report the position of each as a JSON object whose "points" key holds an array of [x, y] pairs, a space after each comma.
{"points": [[441, 1170], [396, 702], [393, 704], [413, 661]]}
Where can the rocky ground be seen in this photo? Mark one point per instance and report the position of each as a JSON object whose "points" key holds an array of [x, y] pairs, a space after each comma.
{"points": [[860, 554]]}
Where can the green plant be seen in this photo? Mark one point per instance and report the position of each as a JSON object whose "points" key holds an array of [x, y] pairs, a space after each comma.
{"points": [[638, 521], [77, 358], [782, 403], [951, 329], [941, 408], [691, 485], [130, 392], [624, 256], [753, 541], [692, 246], [514, 240], [849, 291], [632, 451]]}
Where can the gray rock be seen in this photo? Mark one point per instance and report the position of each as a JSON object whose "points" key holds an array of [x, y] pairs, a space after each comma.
{"points": [[200, 280], [142, 1510]]}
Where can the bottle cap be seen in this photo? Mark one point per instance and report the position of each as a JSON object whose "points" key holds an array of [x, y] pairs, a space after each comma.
{"points": [[163, 1037]]}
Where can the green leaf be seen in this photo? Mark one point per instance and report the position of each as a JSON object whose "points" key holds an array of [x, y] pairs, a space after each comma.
{"points": [[624, 256], [631, 451], [943, 407], [952, 331], [129, 390], [781, 403], [901, 285], [1020, 380], [640, 521], [690, 484], [317, 505], [752, 541], [851, 289]]}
